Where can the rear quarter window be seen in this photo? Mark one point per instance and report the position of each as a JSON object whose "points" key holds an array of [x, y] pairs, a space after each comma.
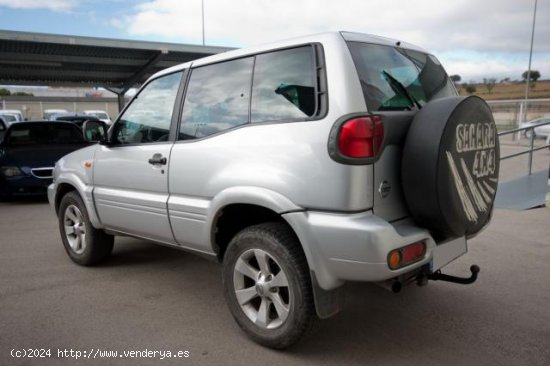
{"points": [[284, 85]]}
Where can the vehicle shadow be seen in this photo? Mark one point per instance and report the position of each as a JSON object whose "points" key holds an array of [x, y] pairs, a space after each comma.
{"points": [[131, 252], [420, 325]]}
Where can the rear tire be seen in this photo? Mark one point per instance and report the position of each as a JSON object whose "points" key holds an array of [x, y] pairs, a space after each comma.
{"points": [[267, 285], [84, 244]]}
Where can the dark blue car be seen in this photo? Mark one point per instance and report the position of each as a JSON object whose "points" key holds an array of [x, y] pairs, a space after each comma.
{"points": [[28, 153]]}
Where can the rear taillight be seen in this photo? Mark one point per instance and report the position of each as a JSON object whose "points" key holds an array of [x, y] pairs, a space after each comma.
{"points": [[409, 254], [361, 137]]}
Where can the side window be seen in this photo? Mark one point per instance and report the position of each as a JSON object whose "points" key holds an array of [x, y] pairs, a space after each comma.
{"points": [[149, 116], [284, 85], [217, 98]]}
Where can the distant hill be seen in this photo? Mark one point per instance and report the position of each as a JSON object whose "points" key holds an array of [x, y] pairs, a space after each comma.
{"points": [[510, 90]]}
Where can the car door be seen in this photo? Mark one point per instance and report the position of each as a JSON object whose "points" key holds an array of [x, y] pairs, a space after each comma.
{"points": [[131, 170]]}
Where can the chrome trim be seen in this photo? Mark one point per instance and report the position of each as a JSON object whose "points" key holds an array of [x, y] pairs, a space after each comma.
{"points": [[43, 169]]}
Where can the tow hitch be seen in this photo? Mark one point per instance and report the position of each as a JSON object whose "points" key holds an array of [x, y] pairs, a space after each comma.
{"points": [[438, 276], [423, 276]]}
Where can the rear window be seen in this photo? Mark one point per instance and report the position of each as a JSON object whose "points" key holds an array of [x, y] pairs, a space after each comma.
{"points": [[393, 78], [44, 135]]}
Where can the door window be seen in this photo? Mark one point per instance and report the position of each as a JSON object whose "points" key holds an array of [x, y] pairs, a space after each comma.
{"points": [[149, 117], [217, 98]]}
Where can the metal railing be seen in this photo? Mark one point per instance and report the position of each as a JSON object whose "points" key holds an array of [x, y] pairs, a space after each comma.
{"points": [[532, 148]]}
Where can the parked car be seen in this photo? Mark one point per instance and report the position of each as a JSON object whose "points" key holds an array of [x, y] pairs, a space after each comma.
{"points": [[299, 166], [48, 113], [544, 130], [532, 123], [102, 115], [76, 118], [3, 128], [11, 115], [9, 118], [28, 154]]}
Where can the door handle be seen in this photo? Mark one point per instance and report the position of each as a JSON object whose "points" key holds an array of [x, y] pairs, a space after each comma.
{"points": [[158, 159]]}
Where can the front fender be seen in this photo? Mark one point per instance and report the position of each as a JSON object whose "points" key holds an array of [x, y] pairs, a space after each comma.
{"points": [[84, 190]]}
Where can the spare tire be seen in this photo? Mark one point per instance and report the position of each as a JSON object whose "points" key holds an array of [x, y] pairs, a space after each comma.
{"points": [[450, 166]]}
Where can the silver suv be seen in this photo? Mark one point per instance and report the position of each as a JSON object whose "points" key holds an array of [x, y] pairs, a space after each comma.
{"points": [[298, 165]]}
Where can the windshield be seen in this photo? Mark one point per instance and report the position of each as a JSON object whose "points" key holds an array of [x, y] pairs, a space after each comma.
{"points": [[52, 112], [393, 78], [100, 115], [9, 117], [44, 134]]}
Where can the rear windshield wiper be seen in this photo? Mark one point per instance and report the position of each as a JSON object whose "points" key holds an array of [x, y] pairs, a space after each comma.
{"points": [[400, 89]]}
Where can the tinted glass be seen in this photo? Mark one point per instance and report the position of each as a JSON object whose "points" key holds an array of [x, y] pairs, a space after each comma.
{"points": [[284, 85], [44, 134], [217, 98], [384, 71], [149, 116]]}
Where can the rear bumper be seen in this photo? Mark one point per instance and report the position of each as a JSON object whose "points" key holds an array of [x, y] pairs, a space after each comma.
{"points": [[355, 247]]}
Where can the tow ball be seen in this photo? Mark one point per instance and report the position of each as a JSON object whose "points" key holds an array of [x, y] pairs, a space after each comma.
{"points": [[438, 276]]}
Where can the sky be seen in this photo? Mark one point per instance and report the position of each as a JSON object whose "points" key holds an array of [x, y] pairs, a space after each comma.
{"points": [[475, 39]]}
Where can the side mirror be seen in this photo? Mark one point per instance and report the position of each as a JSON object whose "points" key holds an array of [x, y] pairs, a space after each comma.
{"points": [[94, 131]]}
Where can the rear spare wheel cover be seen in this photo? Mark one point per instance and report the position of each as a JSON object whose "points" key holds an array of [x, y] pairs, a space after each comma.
{"points": [[450, 165]]}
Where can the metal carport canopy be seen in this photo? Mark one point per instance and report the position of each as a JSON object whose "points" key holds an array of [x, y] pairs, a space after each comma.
{"points": [[60, 60]]}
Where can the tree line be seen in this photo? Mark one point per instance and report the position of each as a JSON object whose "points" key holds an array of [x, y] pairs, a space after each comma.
{"points": [[490, 83]]}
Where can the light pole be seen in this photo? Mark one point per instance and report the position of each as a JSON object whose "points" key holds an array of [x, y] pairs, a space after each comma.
{"points": [[202, 4], [524, 115]]}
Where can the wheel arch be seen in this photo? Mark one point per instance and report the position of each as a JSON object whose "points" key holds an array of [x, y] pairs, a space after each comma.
{"points": [[254, 206], [243, 206], [69, 183]]}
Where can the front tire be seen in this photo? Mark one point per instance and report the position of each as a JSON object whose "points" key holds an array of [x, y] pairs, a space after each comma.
{"points": [[84, 244], [267, 285]]}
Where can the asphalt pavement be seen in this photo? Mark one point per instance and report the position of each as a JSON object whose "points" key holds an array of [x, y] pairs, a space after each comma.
{"points": [[149, 298]]}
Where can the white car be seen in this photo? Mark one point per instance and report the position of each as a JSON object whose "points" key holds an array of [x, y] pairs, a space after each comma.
{"points": [[544, 130], [12, 115], [535, 122], [102, 115], [48, 113]]}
